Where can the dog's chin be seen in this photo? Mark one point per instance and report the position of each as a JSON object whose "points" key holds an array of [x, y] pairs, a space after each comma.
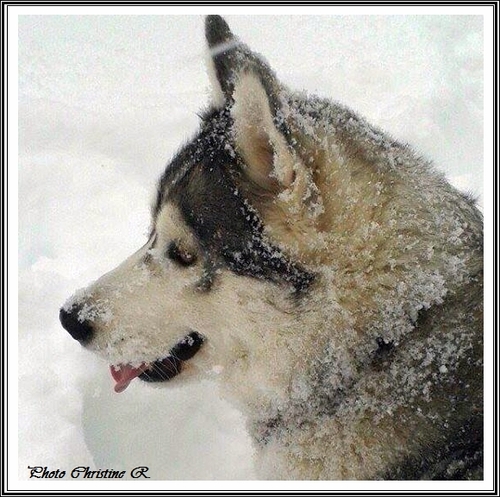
{"points": [[161, 370]]}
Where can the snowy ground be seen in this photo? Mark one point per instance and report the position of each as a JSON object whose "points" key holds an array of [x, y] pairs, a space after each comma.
{"points": [[103, 103]]}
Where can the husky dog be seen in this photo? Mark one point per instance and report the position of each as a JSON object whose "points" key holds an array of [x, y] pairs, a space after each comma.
{"points": [[328, 274]]}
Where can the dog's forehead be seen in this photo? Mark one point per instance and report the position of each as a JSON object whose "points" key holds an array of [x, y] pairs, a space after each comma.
{"points": [[175, 171], [212, 145]]}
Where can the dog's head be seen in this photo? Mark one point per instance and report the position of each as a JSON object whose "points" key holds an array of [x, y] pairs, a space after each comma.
{"points": [[224, 267]]}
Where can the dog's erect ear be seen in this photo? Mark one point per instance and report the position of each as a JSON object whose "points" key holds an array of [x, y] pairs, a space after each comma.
{"points": [[222, 45], [242, 80], [270, 161], [229, 58]]}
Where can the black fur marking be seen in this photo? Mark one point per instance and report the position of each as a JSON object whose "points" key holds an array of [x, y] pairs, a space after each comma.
{"points": [[163, 370], [179, 256], [202, 181], [459, 458], [169, 367], [384, 347], [147, 259], [264, 431], [188, 346], [206, 282], [217, 31], [224, 52], [383, 354]]}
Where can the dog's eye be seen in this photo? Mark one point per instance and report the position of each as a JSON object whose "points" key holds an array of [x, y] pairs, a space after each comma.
{"points": [[180, 256]]}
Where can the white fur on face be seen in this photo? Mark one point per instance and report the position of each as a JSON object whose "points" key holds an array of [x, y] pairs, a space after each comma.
{"points": [[141, 309]]}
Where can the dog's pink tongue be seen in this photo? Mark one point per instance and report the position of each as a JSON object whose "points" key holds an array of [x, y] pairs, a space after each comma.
{"points": [[124, 374]]}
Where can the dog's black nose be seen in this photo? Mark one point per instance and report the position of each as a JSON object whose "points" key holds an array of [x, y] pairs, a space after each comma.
{"points": [[80, 330]]}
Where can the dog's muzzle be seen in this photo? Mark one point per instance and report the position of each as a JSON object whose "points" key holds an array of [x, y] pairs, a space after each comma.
{"points": [[161, 370]]}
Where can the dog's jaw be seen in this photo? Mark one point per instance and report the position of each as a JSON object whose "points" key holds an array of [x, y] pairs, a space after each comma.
{"points": [[161, 370]]}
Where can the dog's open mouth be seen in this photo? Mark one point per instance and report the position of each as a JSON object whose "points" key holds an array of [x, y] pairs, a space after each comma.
{"points": [[162, 369]]}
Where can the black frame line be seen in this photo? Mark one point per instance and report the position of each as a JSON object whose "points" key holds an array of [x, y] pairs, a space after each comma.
{"points": [[7, 272]]}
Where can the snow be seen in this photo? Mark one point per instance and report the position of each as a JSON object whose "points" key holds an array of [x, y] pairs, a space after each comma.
{"points": [[103, 103]]}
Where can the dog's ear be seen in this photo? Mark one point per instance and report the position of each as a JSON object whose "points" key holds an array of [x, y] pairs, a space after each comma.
{"points": [[229, 58], [271, 163], [243, 81], [222, 57]]}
